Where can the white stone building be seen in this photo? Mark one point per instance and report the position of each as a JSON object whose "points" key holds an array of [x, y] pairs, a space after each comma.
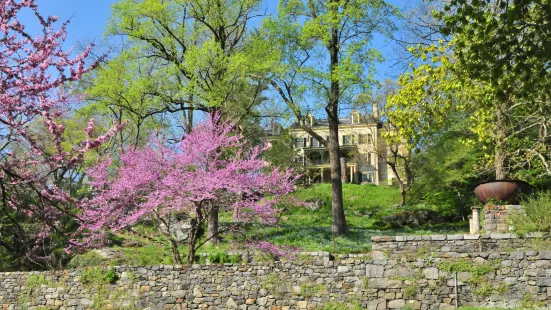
{"points": [[360, 141]]}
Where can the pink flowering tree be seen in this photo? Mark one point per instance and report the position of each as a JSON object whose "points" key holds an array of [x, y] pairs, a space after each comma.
{"points": [[208, 165], [34, 94]]}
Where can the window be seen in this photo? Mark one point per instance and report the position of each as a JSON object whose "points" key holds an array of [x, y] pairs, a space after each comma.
{"points": [[362, 139], [314, 142], [300, 142], [367, 177], [299, 160], [355, 118], [368, 157], [346, 140], [369, 141]]}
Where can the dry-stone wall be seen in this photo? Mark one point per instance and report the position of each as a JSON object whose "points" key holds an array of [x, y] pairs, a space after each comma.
{"points": [[464, 243], [386, 279]]}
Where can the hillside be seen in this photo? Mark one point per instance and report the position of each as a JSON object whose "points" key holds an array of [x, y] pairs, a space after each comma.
{"points": [[309, 230]]}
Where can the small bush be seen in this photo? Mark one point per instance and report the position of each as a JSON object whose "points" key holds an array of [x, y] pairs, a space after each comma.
{"points": [[536, 215], [98, 276]]}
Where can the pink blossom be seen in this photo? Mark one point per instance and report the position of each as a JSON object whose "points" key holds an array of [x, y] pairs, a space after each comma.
{"points": [[163, 178]]}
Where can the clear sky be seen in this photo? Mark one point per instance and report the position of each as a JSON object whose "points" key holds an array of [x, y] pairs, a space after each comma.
{"points": [[89, 18]]}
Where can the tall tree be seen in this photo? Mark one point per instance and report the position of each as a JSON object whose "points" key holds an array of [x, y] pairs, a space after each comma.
{"points": [[321, 50], [199, 51]]}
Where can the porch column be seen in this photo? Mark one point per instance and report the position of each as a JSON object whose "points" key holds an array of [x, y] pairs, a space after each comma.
{"points": [[321, 171], [351, 174]]}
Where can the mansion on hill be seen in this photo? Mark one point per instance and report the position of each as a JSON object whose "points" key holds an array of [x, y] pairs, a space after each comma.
{"points": [[361, 143]]}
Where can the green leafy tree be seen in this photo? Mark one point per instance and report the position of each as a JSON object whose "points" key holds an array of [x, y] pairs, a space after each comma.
{"points": [[447, 167], [321, 50], [192, 55]]}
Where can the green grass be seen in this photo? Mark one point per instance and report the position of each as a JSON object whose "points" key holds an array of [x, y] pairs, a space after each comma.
{"points": [[364, 205], [307, 230]]}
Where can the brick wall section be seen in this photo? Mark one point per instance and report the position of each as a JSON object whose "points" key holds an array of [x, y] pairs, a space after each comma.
{"points": [[380, 280]]}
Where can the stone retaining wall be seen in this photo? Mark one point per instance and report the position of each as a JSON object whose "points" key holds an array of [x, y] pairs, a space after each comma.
{"points": [[465, 243], [424, 280]]}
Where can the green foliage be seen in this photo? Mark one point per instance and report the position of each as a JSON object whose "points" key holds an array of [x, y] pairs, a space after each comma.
{"points": [[410, 291], [447, 168], [462, 265], [95, 276], [536, 214], [35, 280], [222, 258], [88, 259], [308, 289], [339, 305]]}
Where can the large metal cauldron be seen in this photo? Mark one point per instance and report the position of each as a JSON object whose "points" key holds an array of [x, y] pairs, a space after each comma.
{"points": [[506, 190]]}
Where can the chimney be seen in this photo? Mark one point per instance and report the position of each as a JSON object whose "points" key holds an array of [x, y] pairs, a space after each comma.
{"points": [[375, 109], [311, 119]]}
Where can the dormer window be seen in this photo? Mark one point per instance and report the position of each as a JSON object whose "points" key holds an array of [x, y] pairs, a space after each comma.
{"points": [[355, 117]]}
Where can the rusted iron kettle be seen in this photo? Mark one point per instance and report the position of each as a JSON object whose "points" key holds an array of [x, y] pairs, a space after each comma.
{"points": [[505, 190]]}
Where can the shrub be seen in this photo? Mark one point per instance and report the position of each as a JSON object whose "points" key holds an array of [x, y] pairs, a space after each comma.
{"points": [[536, 215], [98, 276]]}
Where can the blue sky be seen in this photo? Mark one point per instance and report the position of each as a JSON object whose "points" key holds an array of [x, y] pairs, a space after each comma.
{"points": [[89, 18]]}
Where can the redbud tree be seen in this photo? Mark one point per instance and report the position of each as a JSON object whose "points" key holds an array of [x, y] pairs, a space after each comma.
{"points": [[34, 95], [189, 178]]}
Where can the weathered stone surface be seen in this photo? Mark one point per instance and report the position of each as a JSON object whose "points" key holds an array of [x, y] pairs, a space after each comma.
{"points": [[396, 304], [374, 271], [544, 281], [430, 273], [405, 274]]}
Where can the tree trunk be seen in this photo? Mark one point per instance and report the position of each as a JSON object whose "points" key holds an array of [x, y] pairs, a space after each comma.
{"points": [[402, 192], [500, 147], [176, 257], [194, 233], [212, 233], [332, 109]]}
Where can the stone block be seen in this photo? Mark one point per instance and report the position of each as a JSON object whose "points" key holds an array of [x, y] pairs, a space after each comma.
{"points": [[302, 304], [438, 237], [377, 304], [231, 304], [430, 273], [374, 271], [503, 236], [545, 255], [396, 304], [455, 237], [544, 281]]}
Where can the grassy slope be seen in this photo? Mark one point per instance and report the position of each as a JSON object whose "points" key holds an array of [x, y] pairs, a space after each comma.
{"points": [[308, 230], [365, 205]]}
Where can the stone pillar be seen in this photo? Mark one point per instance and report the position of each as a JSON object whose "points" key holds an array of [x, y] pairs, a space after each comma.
{"points": [[471, 224], [321, 175], [351, 174], [343, 169], [497, 217], [476, 220]]}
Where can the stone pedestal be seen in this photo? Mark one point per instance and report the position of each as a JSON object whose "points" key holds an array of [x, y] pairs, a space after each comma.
{"points": [[497, 217], [475, 226]]}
